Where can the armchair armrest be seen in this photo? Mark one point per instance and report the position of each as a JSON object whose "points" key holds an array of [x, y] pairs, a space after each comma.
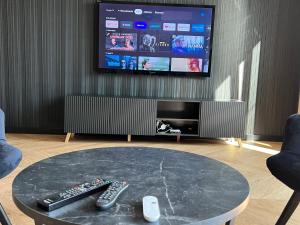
{"points": [[2, 127]]}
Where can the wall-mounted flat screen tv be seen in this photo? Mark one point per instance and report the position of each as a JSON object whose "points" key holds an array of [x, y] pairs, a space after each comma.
{"points": [[147, 38]]}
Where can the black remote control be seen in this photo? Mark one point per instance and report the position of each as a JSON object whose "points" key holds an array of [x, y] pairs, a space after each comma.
{"points": [[109, 197], [73, 194]]}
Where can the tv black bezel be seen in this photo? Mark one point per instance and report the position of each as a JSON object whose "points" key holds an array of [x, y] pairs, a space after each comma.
{"points": [[152, 72]]}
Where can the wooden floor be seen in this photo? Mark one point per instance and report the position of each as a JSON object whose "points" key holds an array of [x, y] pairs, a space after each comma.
{"points": [[268, 196]]}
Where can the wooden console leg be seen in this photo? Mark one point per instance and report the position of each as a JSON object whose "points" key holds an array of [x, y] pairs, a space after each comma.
{"points": [[129, 137], [178, 138], [68, 136], [239, 141]]}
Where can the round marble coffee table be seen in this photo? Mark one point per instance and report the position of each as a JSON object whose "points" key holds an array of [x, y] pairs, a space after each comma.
{"points": [[191, 189]]}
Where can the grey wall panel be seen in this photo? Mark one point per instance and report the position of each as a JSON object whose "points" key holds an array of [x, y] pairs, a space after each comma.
{"points": [[277, 88], [222, 119], [133, 116], [47, 52]]}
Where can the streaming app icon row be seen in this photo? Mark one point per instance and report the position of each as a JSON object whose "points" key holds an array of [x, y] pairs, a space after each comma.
{"points": [[156, 43], [146, 63], [141, 25]]}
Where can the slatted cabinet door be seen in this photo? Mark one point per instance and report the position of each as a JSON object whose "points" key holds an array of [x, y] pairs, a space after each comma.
{"points": [[87, 114], [133, 116], [222, 119]]}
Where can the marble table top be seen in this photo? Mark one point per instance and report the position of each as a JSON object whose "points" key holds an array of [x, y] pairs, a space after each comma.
{"points": [[191, 189]]}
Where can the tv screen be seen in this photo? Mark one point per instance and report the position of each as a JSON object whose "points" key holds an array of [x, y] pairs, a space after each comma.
{"points": [[154, 38]]}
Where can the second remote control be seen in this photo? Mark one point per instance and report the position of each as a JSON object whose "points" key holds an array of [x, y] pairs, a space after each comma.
{"points": [[73, 194], [109, 197]]}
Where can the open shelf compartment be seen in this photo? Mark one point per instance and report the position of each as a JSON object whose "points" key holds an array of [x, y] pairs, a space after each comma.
{"points": [[180, 115], [178, 110]]}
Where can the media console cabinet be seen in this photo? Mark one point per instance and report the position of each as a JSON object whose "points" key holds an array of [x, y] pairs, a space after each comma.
{"points": [[138, 116]]}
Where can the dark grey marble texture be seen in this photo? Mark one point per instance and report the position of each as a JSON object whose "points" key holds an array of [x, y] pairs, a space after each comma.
{"points": [[191, 189]]}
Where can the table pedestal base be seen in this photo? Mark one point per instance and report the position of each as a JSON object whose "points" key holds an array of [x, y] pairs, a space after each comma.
{"points": [[3, 217], [231, 222], [37, 222]]}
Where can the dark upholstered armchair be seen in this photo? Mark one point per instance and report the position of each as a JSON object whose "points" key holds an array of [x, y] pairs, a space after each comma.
{"points": [[286, 165], [2, 127], [10, 158]]}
